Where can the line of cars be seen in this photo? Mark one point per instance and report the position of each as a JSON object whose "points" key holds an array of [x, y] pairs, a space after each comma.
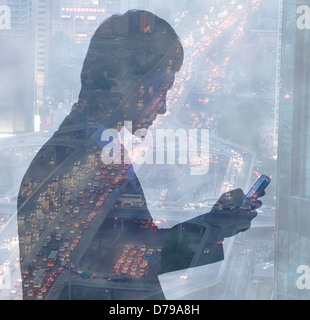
{"points": [[77, 202], [133, 260]]}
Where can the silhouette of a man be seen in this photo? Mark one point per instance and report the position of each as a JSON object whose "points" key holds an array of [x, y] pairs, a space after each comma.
{"points": [[67, 189]]}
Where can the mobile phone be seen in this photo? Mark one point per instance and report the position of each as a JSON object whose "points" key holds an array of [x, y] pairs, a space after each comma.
{"points": [[257, 189]]}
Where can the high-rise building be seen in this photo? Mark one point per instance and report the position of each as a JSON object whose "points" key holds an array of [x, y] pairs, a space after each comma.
{"points": [[72, 24], [42, 26], [293, 185], [17, 66]]}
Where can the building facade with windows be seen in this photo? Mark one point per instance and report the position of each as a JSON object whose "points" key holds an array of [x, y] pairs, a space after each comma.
{"points": [[293, 185]]}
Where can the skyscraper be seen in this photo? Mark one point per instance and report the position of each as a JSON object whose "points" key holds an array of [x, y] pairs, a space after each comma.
{"points": [[293, 185], [42, 26], [16, 65]]}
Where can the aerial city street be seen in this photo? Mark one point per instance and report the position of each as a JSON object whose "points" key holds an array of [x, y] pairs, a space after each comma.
{"points": [[86, 234]]}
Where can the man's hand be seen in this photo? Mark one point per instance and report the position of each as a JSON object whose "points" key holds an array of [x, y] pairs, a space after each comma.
{"points": [[231, 215]]}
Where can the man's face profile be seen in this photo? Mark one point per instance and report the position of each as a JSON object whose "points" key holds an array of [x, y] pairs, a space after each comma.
{"points": [[134, 57]]}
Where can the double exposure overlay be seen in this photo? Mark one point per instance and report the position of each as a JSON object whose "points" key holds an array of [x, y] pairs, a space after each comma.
{"points": [[154, 151]]}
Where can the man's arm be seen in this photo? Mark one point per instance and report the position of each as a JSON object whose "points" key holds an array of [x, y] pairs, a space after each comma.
{"points": [[227, 218], [190, 244]]}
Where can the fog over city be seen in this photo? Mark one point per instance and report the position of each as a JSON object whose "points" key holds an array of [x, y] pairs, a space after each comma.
{"points": [[67, 218]]}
